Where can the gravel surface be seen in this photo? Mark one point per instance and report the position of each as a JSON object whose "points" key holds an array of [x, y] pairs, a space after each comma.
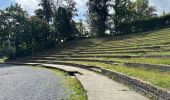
{"points": [[26, 83]]}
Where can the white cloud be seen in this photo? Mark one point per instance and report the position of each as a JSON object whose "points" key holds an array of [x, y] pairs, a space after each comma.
{"points": [[29, 5], [80, 2], [161, 5]]}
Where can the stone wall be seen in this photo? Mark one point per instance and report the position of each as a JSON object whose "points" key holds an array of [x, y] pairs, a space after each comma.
{"points": [[149, 66]]}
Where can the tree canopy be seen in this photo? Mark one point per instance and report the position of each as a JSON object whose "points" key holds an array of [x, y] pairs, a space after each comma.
{"points": [[54, 23]]}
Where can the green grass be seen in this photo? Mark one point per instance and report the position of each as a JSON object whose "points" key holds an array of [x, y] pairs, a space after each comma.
{"points": [[111, 54], [160, 53], [147, 38], [161, 79], [70, 84], [155, 77], [2, 59], [165, 61]]}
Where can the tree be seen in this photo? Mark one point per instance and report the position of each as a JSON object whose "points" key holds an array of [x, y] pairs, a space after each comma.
{"points": [[22, 34], [122, 12], [62, 24], [38, 31], [46, 11], [13, 19], [126, 11], [143, 10], [98, 14], [80, 26], [63, 20], [39, 13]]}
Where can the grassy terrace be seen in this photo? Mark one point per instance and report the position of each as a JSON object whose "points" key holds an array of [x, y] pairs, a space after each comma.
{"points": [[164, 61], [149, 47]]}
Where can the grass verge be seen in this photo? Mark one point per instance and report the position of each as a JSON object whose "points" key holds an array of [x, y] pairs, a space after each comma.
{"points": [[70, 83]]}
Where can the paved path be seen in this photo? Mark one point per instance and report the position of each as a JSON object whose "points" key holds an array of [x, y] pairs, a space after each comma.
{"points": [[101, 88], [26, 83]]}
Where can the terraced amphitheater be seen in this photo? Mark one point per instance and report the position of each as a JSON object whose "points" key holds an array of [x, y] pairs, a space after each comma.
{"points": [[141, 61]]}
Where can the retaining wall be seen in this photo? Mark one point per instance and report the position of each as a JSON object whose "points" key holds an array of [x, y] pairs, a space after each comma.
{"points": [[149, 66]]}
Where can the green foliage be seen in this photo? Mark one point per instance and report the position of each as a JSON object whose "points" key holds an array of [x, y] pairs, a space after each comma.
{"points": [[46, 11], [40, 36], [144, 24], [98, 15], [13, 19], [126, 11], [22, 34], [143, 10], [82, 30], [63, 24], [39, 13], [65, 27]]}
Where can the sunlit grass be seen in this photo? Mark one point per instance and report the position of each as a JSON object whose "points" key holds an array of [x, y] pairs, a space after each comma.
{"points": [[3, 59], [160, 53], [165, 61]]}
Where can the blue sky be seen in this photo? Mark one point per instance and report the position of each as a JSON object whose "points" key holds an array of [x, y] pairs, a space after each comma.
{"points": [[5, 3], [31, 5], [161, 5]]}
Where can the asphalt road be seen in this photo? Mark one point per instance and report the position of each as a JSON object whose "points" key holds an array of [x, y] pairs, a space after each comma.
{"points": [[26, 83]]}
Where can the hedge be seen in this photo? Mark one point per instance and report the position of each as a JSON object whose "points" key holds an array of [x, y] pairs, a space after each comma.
{"points": [[144, 25]]}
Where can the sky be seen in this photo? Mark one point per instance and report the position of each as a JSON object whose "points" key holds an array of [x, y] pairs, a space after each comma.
{"points": [[31, 5]]}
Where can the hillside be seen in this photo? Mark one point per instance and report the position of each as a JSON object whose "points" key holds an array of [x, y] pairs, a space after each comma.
{"points": [[144, 55]]}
